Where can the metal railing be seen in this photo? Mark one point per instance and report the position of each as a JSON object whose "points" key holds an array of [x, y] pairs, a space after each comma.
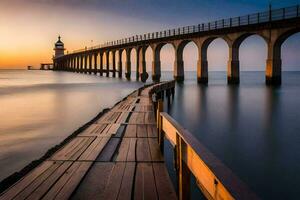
{"points": [[256, 18]]}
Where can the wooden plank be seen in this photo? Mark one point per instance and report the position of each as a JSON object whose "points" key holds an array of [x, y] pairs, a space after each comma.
{"points": [[109, 150], [69, 181], [140, 118], [77, 154], [113, 129], [133, 118], [15, 189], [121, 131], [123, 117], [131, 156], [155, 150], [152, 131], [163, 184], [72, 151], [130, 131], [144, 182], [143, 150], [123, 150], [94, 130], [46, 185], [125, 192], [127, 150], [149, 118], [37, 182], [93, 184], [142, 130], [114, 182], [92, 152]]}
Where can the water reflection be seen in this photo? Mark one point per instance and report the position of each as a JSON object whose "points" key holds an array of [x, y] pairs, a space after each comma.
{"points": [[252, 128]]}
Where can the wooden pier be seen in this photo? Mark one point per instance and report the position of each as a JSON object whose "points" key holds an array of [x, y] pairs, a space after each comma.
{"points": [[117, 157]]}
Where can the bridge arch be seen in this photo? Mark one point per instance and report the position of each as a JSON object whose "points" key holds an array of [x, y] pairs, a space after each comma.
{"points": [[202, 65], [156, 64], [274, 62], [142, 62], [235, 50], [181, 48]]}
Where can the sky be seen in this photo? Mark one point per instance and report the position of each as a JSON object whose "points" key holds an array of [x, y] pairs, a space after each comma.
{"points": [[29, 28]]}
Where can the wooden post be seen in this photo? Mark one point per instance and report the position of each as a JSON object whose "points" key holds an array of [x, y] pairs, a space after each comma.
{"points": [[184, 174], [160, 108]]}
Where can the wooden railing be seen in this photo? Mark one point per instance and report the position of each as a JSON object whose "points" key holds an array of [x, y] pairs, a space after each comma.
{"points": [[215, 180]]}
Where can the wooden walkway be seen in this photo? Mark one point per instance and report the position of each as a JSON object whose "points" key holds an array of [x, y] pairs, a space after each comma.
{"points": [[117, 157]]}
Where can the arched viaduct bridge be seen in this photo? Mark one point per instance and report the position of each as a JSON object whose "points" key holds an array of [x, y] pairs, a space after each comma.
{"points": [[274, 26]]}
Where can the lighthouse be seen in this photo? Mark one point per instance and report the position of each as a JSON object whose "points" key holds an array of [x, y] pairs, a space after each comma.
{"points": [[59, 48]]}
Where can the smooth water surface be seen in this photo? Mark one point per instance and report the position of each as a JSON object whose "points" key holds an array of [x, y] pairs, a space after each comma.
{"points": [[38, 109], [252, 128]]}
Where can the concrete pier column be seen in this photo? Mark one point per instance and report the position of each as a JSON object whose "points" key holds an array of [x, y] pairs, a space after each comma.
{"points": [[179, 64], [156, 64], [95, 63], [85, 63], [142, 64], [273, 63], [77, 64], [107, 63], [101, 63], [202, 71], [137, 62], [128, 64], [233, 66], [120, 64], [90, 63], [114, 62], [81, 64]]}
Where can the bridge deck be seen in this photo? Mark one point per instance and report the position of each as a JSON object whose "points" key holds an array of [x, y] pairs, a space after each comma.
{"points": [[117, 157]]}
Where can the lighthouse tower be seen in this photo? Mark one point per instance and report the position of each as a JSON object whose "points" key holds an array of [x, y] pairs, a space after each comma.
{"points": [[59, 48]]}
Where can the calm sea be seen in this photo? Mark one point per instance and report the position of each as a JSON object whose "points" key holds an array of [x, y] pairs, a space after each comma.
{"points": [[252, 128], [38, 109]]}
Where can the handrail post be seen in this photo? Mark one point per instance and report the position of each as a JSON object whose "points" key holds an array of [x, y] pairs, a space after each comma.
{"points": [[184, 173], [160, 108]]}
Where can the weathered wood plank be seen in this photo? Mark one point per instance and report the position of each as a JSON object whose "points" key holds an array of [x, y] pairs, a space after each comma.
{"points": [[113, 129], [145, 187], [130, 131], [163, 184], [108, 152], [69, 181], [24, 182], [127, 150], [143, 150], [142, 131], [114, 182], [37, 182], [125, 192], [152, 131], [155, 150], [92, 152], [123, 117], [149, 118], [94, 130], [93, 184], [133, 118], [46, 185], [73, 149], [140, 118]]}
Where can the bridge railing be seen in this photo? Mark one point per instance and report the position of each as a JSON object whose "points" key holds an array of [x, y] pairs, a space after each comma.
{"points": [[256, 18]]}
